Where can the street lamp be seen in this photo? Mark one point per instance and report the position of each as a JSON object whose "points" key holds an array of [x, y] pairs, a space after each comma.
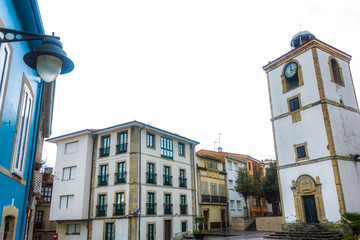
{"points": [[49, 59]]}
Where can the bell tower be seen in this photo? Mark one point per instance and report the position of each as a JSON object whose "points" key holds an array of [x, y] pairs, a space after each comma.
{"points": [[315, 119]]}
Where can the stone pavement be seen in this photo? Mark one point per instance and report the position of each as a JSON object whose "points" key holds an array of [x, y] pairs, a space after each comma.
{"points": [[235, 234]]}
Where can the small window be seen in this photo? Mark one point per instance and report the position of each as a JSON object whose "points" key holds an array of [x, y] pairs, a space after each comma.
{"points": [[69, 173], [150, 139], [238, 204], [46, 193], [294, 104], [211, 164], [181, 149], [221, 190], [66, 201], [166, 147], [232, 205], [336, 72], [71, 147], [38, 223], [109, 231], [301, 151], [229, 163], [183, 227], [213, 189], [22, 132], [73, 229]]}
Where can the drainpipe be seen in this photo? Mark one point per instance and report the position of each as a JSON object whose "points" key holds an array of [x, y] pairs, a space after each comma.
{"points": [[32, 160], [91, 177], [139, 214]]}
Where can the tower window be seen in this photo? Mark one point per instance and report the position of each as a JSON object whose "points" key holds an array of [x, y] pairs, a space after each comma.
{"points": [[336, 72], [294, 104], [301, 151]]}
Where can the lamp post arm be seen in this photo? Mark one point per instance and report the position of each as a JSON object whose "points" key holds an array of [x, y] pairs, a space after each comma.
{"points": [[10, 35]]}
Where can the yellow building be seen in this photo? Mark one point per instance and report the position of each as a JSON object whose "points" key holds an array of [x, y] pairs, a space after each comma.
{"points": [[212, 190]]}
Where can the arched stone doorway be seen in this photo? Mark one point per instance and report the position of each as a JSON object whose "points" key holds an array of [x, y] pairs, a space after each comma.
{"points": [[309, 204]]}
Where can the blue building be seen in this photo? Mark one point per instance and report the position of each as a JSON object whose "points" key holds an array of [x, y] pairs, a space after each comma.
{"points": [[25, 119]]}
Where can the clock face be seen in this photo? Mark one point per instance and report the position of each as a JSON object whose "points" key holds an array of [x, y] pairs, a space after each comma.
{"points": [[291, 69]]}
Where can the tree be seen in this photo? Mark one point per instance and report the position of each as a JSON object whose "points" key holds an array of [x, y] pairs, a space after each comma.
{"points": [[352, 220], [256, 184], [270, 184], [243, 185]]}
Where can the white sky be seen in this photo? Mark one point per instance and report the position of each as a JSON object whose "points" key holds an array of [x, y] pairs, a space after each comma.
{"points": [[191, 67]]}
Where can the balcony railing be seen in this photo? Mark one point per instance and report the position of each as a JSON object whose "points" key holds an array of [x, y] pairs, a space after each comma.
{"points": [[214, 199], [167, 180], [121, 148], [119, 209], [151, 178], [167, 208], [151, 208], [103, 180], [223, 199], [205, 198], [183, 208], [120, 177], [104, 151], [101, 210], [182, 182]]}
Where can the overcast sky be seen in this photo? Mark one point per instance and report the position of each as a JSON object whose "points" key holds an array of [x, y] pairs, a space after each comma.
{"points": [[191, 67]]}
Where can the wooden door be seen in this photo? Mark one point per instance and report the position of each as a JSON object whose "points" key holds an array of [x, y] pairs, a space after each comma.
{"points": [[167, 230], [310, 209]]}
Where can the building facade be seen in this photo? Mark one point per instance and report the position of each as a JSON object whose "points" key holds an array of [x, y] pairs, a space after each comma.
{"points": [[225, 175], [315, 119], [43, 228], [25, 119], [136, 182]]}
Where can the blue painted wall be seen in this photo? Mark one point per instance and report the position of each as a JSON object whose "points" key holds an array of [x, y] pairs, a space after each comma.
{"points": [[16, 17]]}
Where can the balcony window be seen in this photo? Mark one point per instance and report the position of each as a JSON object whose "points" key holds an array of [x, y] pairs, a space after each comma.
{"points": [[150, 232], [110, 231], [183, 205], [167, 204], [38, 219], [103, 177], [150, 174], [119, 206], [105, 146], [101, 207], [122, 146], [166, 147], [205, 198], [167, 177], [72, 229], [120, 176], [182, 179], [150, 205]]}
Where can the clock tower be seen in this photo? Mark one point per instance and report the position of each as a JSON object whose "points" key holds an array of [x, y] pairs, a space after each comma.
{"points": [[316, 127]]}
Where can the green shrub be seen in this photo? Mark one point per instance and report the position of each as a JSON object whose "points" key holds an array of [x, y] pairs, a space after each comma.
{"points": [[351, 237], [352, 220]]}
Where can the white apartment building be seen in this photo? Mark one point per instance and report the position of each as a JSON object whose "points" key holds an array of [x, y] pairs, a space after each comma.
{"points": [[236, 201], [130, 181]]}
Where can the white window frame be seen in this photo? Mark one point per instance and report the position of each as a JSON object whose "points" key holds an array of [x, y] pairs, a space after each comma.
{"points": [[69, 173], [71, 147], [73, 229], [4, 71], [22, 132], [69, 201]]}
